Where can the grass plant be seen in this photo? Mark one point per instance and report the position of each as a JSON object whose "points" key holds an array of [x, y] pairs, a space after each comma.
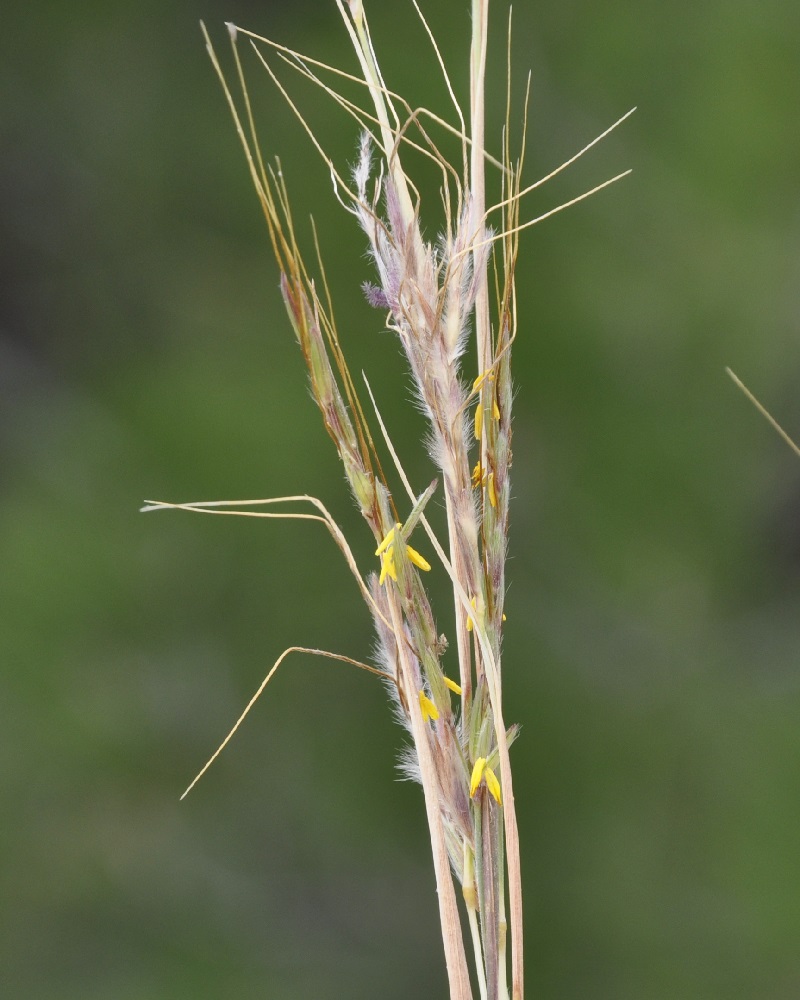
{"points": [[452, 305]]}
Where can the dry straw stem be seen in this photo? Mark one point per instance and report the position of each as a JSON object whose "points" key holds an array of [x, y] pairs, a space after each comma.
{"points": [[438, 300], [763, 411]]}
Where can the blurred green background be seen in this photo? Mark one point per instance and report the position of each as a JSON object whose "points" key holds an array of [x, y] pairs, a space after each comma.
{"points": [[653, 636]]}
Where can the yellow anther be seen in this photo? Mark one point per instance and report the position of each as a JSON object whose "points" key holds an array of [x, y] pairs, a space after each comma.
{"points": [[469, 620], [430, 713], [455, 688], [417, 559], [386, 551], [387, 541], [493, 785], [478, 421], [477, 774], [481, 772], [488, 374], [480, 478], [495, 410], [387, 566]]}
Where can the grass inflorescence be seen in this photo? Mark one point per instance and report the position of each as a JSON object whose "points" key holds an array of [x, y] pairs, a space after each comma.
{"points": [[452, 305]]}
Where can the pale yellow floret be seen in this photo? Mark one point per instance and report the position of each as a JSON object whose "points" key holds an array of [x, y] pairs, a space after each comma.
{"points": [[430, 713], [477, 774], [492, 784], [455, 688]]}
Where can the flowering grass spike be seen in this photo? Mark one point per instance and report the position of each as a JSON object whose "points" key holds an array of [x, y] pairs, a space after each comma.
{"points": [[456, 330]]}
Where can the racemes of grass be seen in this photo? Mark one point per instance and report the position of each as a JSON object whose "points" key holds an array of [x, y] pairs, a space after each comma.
{"points": [[451, 304]]}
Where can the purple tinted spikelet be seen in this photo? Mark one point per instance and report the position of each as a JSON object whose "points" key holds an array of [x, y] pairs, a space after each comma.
{"points": [[375, 295]]}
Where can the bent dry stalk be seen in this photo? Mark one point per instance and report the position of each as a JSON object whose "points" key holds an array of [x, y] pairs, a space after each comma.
{"points": [[436, 299], [763, 411]]}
